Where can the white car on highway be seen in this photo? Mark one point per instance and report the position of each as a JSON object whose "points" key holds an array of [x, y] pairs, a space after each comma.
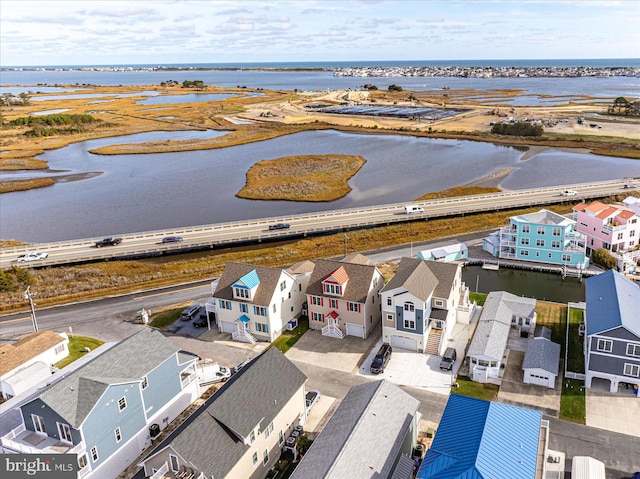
{"points": [[33, 256]]}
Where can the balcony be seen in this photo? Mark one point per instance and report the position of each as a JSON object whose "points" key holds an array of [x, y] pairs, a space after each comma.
{"points": [[187, 376], [23, 441], [613, 228]]}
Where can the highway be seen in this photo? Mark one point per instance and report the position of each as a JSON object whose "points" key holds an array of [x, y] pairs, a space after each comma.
{"points": [[211, 236]]}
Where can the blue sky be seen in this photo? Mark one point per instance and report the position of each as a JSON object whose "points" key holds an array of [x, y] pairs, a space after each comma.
{"points": [[218, 31]]}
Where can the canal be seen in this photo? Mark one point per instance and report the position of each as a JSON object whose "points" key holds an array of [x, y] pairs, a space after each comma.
{"points": [[532, 284]]}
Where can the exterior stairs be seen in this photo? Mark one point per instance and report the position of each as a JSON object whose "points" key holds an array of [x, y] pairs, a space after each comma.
{"points": [[433, 342]]}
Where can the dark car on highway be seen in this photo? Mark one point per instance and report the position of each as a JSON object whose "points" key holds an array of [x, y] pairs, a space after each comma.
{"points": [[109, 241], [190, 312], [279, 226], [381, 359], [172, 239]]}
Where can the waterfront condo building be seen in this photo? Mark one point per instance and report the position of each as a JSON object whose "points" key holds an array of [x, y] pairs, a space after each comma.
{"points": [[615, 228], [541, 237]]}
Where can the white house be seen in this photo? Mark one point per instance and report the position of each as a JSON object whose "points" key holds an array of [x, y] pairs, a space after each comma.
{"points": [[256, 303], [29, 361]]}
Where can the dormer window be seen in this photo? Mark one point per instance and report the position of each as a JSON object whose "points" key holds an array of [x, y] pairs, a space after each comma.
{"points": [[336, 282], [246, 287], [241, 293], [334, 289]]}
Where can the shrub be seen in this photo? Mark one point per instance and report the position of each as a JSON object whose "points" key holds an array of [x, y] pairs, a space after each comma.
{"points": [[603, 258], [517, 129]]}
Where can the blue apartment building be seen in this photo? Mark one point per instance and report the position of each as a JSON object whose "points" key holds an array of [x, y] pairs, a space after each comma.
{"points": [[542, 237]]}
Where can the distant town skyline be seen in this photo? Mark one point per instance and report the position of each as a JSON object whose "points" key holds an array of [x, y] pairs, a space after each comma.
{"points": [[219, 31]]}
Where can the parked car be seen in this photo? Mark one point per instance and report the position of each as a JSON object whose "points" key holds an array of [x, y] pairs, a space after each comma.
{"points": [[202, 321], [211, 373], [33, 256], [172, 239], [190, 312], [109, 241], [312, 398], [381, 359], [279, 226], [448, 359]]}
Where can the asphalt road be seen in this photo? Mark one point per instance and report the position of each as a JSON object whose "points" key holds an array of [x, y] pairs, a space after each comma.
{"points": [[210, 236]]}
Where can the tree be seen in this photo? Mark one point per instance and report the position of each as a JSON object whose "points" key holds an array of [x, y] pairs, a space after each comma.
{"points": [[603, 258], [393, 87], [620, 105]]}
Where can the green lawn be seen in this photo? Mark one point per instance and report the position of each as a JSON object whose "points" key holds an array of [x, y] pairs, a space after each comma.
{"points": [[166, 318], [572, 402], [575, 357], [76, 349], [467, 387], [288, 338], [479, 298]]}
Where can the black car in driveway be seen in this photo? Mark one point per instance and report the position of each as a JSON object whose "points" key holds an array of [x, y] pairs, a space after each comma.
{"points": [[448, 359], [381, 359], [109, 241], [202, 321], [279, 226], [190, 312]]}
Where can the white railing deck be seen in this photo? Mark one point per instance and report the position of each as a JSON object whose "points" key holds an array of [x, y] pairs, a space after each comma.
{"points": [[333, 331], [159, 474], [243, 336]]}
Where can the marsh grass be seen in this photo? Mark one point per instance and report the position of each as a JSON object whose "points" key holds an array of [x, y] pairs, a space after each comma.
{"points": [[22, 185], [301, 178], [459, 191]]}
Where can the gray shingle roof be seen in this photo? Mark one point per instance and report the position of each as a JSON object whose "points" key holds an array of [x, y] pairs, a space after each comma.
{"points": [[422, 278], [360, 277], [234, 271], [255, 395], [542, 354], [128, 361], [364, 436], [492, 333]]}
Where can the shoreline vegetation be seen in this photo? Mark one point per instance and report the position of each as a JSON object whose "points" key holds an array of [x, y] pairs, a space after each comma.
{"points": [[248, 118], [312, 178]]}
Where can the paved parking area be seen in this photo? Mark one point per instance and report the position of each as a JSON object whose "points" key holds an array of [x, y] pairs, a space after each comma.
{"points": [[618, 412]]}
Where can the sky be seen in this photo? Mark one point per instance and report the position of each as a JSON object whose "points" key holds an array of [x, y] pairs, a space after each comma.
{"points": [[114, 32]]}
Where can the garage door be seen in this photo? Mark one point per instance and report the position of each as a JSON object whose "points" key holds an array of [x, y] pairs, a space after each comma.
{"points": [[355, 330], [227, 327], [403, 343], [538, 379]]}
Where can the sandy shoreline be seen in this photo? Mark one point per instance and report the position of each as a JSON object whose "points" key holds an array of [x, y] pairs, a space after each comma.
{"points": [[494, 179]]}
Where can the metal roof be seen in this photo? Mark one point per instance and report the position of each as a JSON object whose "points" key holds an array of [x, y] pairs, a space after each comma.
{"points": [[249, 280], [612, 301], [478, 439]]}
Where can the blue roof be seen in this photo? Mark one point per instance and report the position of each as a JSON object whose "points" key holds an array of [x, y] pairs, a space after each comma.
{"points": [[249, 280], [244, 318], [483, 440], [612, 301]]}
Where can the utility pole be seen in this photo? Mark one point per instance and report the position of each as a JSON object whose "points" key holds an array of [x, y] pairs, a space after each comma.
{"points": [[27, 296], [345, 243]]}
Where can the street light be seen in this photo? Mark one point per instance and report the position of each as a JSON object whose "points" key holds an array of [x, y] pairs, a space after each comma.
{"points": [[27, 296]]}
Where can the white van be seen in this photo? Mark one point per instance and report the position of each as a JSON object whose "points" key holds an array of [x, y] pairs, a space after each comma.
{"points": [[408, 209], [569, 193]]}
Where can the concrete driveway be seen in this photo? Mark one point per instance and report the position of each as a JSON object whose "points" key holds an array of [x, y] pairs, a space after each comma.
{"points": [[618, 412]]}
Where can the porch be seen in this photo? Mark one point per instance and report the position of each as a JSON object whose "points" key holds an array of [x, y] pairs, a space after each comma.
{"points": [[242, 333], [24, 441]]}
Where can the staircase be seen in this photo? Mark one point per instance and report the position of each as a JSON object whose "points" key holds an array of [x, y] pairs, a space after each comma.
{"points": [[433, 342], [332, 331], [243, 336]]}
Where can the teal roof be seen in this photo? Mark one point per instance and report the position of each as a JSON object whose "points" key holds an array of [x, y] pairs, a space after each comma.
{"points": [[612, 301], [244, 318], [249, 280], [483, 440]]}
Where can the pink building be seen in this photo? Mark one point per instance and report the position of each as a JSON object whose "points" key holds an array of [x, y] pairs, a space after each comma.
{"points": [[612, 227]]}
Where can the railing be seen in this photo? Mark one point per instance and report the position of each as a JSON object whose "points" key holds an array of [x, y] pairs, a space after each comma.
{"points": [[84, 471], [333, 331], [159, 474], [187, 377], [243, 336]]}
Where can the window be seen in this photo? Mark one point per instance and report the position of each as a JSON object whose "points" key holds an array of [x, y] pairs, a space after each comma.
{"points": [[317, 317], [283, 285], [389, 301], [438, 302], [539, 242], [259, 310], [65, 432], [280, 437], [265, 457], [555, 244], [262, 328], [566, 257], [38, 424], [409, 307], [525, 228], [224, 304], [620, 235], [409, 324], [82, 461], [145, 383], [316, 300], [268, 430], [631, 369], [605, 345], [118, 434], [174, 462], [244, 308], [549, 255], [524, 241], [632, 233], [254, 458], [524, 252], [354, 307], [332, 288], [122, 403], [556, 231], [333, 303], [274, 307], [60, 347], [389, 317], [540, 230], [95, 457], [633, 350]]}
